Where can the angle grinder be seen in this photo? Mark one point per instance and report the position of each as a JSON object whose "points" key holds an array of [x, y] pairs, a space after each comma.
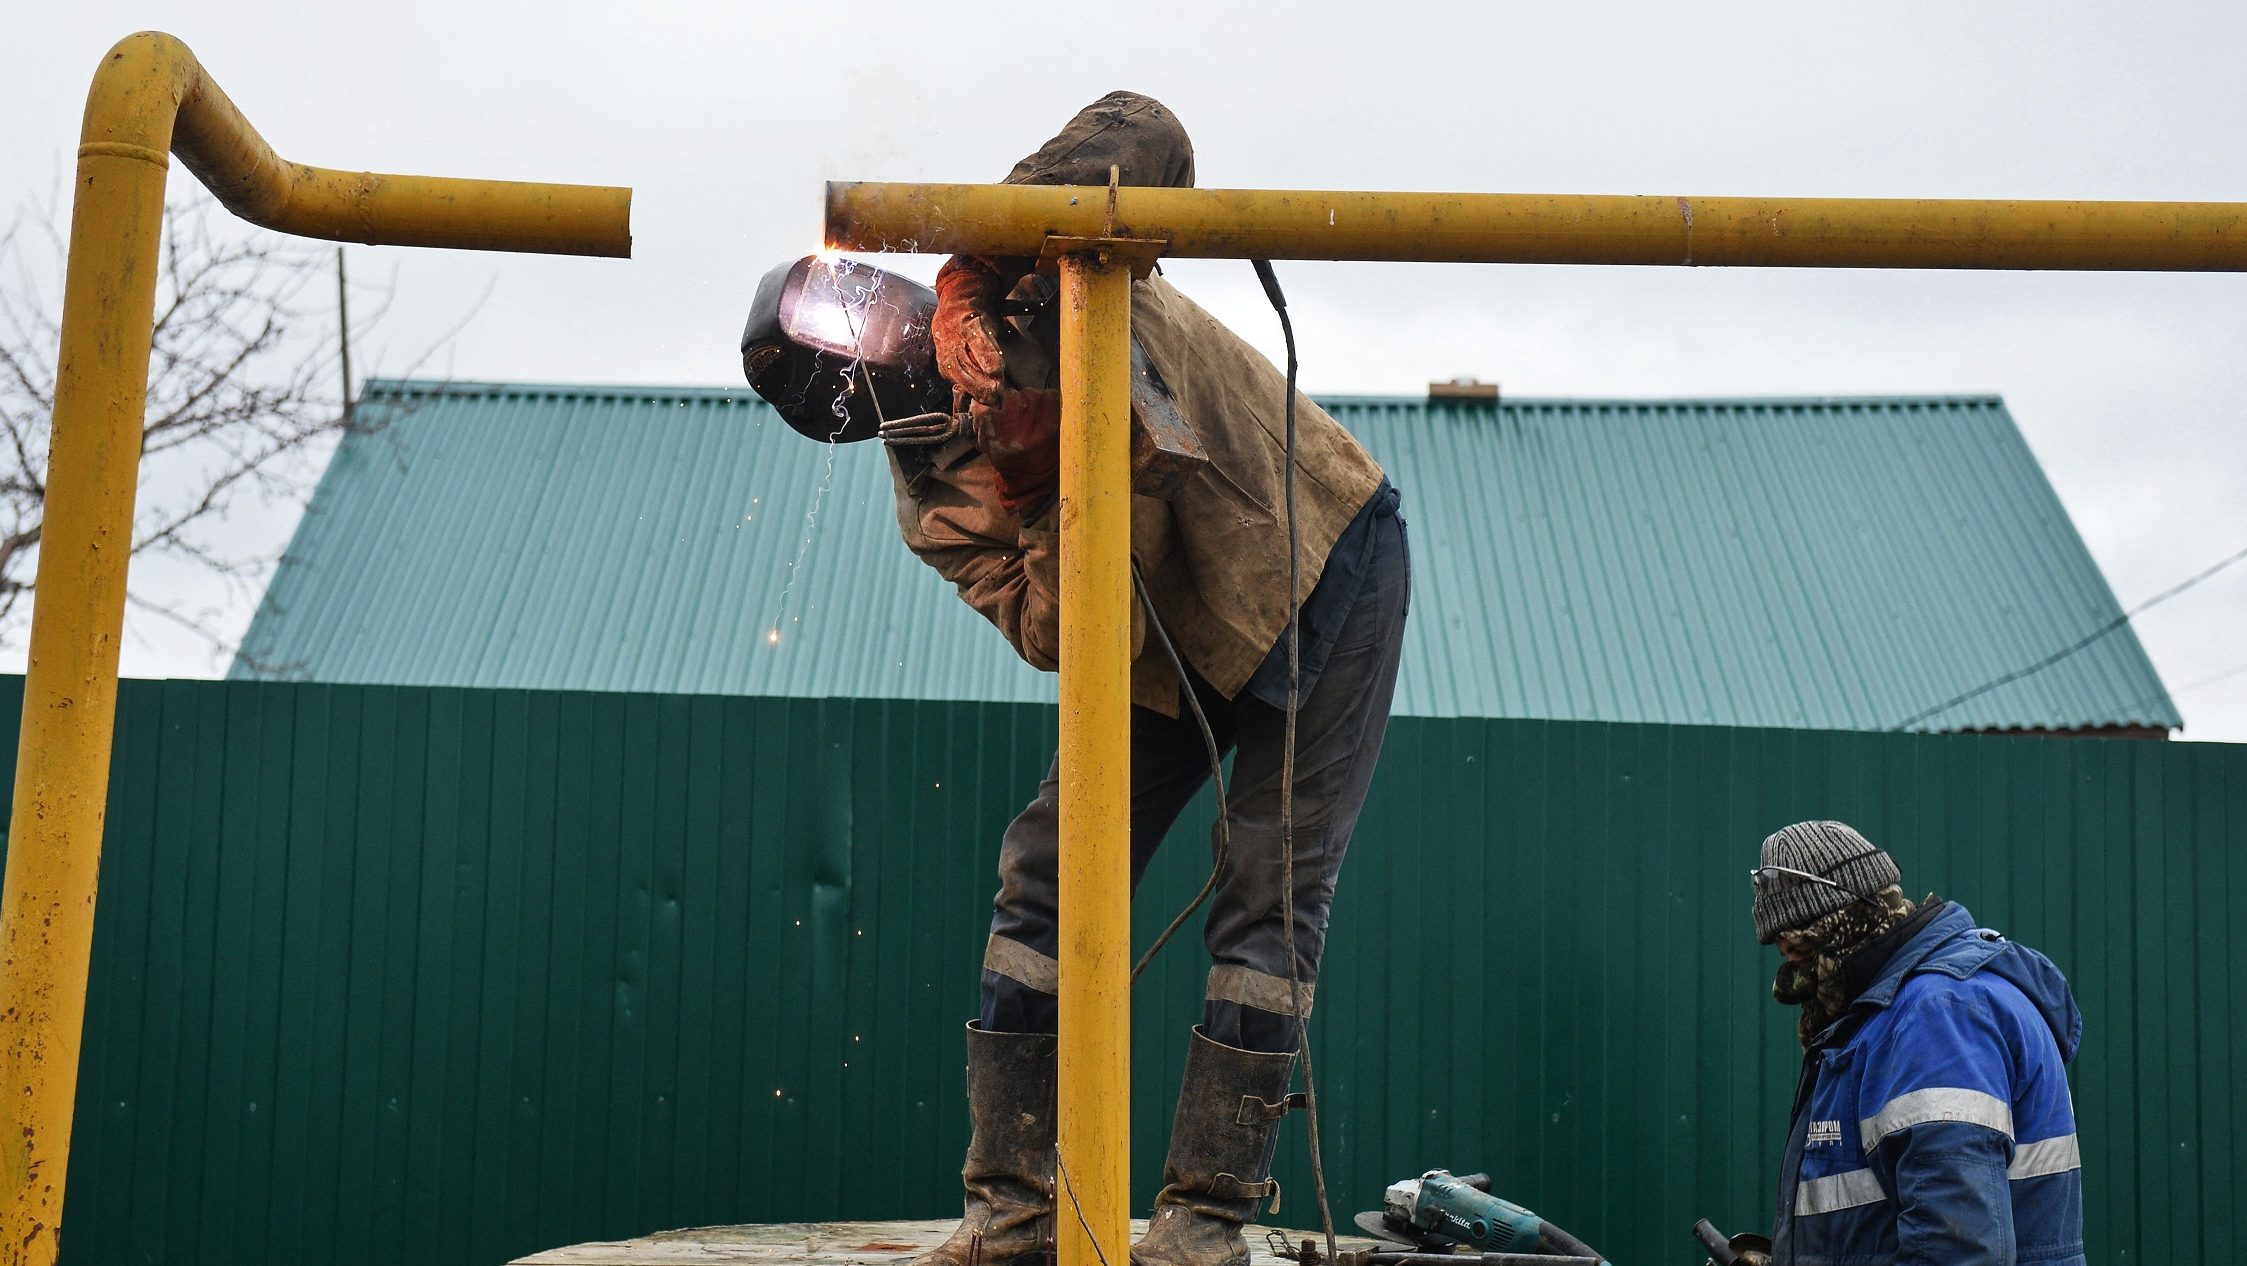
{"points": [[1439, 1212]]}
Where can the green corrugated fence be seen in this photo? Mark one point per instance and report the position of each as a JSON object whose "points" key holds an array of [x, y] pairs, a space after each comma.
{"points": [[388, 975]]}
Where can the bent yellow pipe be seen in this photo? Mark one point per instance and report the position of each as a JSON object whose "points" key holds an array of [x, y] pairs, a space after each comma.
{"points": [[1506, 228], [150, 98]]}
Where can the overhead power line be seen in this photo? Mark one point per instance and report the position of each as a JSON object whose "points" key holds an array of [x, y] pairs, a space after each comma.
{"points": [[2058, 655], [2189, 687]]}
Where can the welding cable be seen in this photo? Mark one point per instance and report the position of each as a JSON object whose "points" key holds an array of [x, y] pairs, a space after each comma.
{"points": [[1071, 1188], [1272, 292], [1216, 776]]}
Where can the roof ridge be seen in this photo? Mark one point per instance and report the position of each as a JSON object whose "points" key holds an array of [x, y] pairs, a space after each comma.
{"points": [[546, 390], [1949, 398], [381, 386]]}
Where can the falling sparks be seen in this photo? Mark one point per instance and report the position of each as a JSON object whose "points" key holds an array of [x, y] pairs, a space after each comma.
{"points": [[859, 297]]}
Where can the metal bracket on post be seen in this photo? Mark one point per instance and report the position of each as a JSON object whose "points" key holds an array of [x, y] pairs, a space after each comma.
{"points": [[1135, 253], [1112, 246]]}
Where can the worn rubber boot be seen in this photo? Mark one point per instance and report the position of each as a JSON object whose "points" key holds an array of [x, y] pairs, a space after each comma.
{"points": [[1218, 1173], [1008, 1220]]}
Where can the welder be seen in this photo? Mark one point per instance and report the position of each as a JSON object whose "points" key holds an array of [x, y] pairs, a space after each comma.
{"points": [[1209, 618], [1933, 1122]]}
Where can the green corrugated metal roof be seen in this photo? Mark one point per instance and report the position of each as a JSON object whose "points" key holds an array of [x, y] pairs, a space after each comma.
{"points": [[1818, 563]]}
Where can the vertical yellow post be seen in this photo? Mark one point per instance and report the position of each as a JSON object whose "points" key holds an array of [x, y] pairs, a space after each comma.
{"points": [[1094, 1112], [70, 687], [150, 98]]}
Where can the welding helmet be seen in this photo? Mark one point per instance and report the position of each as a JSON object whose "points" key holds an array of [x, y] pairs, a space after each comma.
{"points": [[836, 346]]}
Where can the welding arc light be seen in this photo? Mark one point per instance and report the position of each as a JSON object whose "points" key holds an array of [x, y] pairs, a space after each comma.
{"points": [[837, 346]]}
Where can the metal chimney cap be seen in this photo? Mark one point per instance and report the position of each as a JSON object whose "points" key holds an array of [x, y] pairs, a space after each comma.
{"points": [[1467, 390]]}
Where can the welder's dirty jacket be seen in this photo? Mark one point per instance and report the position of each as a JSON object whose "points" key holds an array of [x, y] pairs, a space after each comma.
{"points": [[1214, 558], [1933, 1122]]}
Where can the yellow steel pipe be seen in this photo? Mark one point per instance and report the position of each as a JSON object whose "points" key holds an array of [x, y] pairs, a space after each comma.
{"points": [[150, 97], [1094, 1072], [1503, 228], [1033, 220]]}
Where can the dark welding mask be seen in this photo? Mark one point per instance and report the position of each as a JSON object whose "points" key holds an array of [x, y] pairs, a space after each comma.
{"points": [[843, 351], [836, 346]]}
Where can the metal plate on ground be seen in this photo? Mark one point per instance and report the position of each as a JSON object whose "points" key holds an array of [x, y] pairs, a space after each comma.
{"points": [[815, 1244]]}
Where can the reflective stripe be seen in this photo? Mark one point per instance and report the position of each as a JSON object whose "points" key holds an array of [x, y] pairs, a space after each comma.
{"points": [[1230, 982], [1836, 1192], [1937, 1103], [1016, 961], [2056, 1155]]}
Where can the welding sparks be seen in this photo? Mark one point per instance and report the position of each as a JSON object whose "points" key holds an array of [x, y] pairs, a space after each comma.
{"points": [[864, 293]]}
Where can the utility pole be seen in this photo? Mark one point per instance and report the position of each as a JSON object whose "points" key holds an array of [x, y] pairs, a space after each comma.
{"points": [[343, 331]]}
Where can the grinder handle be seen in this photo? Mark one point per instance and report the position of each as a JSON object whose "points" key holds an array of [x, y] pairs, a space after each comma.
{"points": [[1480, 1182], [1720, 1249]]}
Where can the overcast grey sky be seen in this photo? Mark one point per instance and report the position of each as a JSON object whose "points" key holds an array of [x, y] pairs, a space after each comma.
{"points": [[727, 118]]}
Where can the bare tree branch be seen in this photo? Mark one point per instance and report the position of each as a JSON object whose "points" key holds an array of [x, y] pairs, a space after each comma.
{"points": [[241, 400]]}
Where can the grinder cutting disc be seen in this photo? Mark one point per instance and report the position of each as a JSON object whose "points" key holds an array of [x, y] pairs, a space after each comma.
{"points": [[1376, 1223]]}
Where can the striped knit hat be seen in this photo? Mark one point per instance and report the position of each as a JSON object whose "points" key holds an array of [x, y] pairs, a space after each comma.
{"points": [[1829, 849]]}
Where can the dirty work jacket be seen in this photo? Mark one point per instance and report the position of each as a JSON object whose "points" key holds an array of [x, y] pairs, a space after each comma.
{"points": [[1933, 1125], [1214, 557]]}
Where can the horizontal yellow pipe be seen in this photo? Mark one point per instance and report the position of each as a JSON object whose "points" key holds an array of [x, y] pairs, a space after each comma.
{"points": [[151, 97], [1509, 228]]}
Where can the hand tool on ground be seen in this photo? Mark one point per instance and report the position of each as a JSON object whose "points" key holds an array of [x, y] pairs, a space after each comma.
{"points": [[1739, 1250], [1439, 1213]]}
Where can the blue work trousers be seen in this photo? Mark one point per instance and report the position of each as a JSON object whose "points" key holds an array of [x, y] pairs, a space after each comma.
{"points": [[1339, 727]]}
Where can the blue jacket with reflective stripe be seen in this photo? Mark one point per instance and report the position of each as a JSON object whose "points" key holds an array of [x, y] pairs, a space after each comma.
{"points": [[1933, 1125]]}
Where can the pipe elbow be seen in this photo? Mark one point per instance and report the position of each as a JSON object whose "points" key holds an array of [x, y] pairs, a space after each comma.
{"points": [[151, 99], [136, 92]]}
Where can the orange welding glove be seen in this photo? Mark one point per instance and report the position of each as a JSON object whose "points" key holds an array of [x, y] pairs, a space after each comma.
{"points": [[966, 328], [1021, 434]]}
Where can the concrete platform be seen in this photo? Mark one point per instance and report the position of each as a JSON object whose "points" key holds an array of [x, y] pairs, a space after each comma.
{"points": [[816, 1244]]}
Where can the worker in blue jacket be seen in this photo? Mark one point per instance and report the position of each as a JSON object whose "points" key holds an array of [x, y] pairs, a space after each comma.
{"points": [[1932, 1125]]}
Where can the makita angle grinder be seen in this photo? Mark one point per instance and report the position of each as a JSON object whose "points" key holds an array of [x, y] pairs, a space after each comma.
{"points": [[1439, 1213], [1440, 1219]]}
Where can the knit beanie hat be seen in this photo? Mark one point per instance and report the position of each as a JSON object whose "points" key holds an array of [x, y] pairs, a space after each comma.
{"points": [[1829, 849]]}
